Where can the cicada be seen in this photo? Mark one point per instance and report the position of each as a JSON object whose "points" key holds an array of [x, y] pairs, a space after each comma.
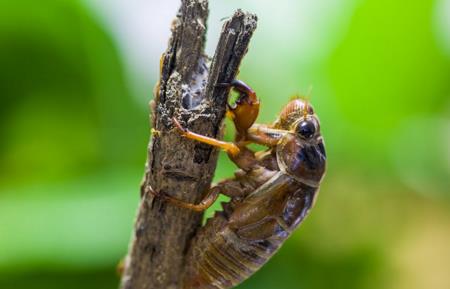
{"points": [[270, 194]]}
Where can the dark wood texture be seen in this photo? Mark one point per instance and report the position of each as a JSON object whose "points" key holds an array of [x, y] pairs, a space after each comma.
{"points": [[176, 166]]}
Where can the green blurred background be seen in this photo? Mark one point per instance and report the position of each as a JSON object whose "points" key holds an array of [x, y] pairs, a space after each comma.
{"points": [[75, 81]]}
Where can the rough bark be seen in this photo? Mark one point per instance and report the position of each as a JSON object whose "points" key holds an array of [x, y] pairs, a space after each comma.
{"points": [[176, 166]]}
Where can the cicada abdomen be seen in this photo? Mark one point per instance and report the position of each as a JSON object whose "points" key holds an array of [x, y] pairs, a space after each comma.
{"points": [[237, 242]]}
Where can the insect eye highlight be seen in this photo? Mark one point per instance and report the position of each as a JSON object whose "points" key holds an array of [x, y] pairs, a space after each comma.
{"points": [[306, 129]]}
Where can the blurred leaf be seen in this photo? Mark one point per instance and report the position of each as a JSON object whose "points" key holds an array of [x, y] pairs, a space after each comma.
{"points": [[65, 106], [54, 225], [387, 69]]}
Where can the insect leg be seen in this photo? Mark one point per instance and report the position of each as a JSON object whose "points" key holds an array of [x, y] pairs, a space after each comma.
{"points": [[265, 135], [283, 224], [207, 201], [245, 110], [229, 147]]}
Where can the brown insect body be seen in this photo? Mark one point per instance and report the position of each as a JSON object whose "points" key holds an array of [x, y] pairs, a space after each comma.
{"points": [[270, 195], [235, 244]]}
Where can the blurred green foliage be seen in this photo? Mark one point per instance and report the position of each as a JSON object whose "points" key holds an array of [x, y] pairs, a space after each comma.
{"points": [[73, 144], [65, 105], [72, 147]]}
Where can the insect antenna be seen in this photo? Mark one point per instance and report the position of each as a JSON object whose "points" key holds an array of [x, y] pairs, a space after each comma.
{"points": [[307, 100]]}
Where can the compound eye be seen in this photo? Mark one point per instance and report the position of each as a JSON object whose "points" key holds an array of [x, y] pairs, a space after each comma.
{"points": [[306, 129]]}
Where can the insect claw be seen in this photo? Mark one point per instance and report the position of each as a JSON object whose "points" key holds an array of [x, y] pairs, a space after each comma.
{"points": [[178, 126], [156, 194], [223, 84]]}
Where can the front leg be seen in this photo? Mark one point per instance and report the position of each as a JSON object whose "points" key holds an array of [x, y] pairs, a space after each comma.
{"points": [[244, 113], [231, 148], [265, 135], [243, 157], [245, 110]]}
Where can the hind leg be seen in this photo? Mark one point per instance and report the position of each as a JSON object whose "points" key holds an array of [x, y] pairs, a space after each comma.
{"points": [[207, 201], [228, 188]]}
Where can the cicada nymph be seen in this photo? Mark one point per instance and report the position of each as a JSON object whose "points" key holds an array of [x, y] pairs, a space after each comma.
{"points": [[270, 195]]}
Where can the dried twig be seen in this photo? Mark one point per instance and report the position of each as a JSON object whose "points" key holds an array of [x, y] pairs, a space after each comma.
{"points": [[177, 166]]}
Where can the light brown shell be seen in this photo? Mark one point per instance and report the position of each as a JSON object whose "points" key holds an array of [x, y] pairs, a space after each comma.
{"points": [[292, 112]]}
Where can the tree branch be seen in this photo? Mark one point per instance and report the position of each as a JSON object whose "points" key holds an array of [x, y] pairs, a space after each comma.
{"points": [[176, 166]]}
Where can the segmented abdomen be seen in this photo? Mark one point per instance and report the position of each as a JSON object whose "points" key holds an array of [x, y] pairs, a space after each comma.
{"points": [[227, 260], [222, 257]]}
